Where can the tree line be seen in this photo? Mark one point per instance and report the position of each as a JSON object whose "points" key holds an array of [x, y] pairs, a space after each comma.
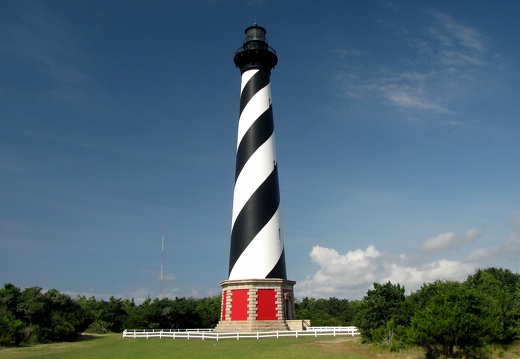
{"points": [[444, 317], [33, 316]]}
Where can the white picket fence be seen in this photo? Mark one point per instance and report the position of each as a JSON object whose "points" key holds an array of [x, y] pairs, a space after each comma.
{"points": [[209, 334]]}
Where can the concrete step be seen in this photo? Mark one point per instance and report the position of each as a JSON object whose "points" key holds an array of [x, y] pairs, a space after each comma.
{"points": [[251, 326]]}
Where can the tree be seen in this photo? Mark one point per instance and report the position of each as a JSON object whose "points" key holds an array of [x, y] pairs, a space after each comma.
{"points": [[92, 310], [11, 328], [500, 285], [454, 315], [208, 310], [138, 316], [380, 310], [65, 319], [33, 316], [185, 314], [516, 313], [9, 297], [321, 312], [113, 313]]}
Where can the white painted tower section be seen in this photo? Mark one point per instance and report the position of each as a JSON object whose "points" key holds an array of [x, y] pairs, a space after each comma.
{"points": [[262, 254]]}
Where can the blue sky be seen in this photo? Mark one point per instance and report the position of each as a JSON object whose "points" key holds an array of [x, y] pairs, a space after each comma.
{"points": [[397, 142]]}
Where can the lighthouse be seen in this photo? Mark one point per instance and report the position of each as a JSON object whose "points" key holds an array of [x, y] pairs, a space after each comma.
{"points": [[257, 294]]}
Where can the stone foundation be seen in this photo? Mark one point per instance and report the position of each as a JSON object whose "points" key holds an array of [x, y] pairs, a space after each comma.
{"points": [[256, 305], [251, 326], [298, 324]]}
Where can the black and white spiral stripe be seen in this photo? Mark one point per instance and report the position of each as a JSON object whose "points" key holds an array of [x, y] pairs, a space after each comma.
{"points": [[257, 249]]}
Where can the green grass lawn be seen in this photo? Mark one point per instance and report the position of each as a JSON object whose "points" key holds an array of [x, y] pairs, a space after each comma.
{"points": [[113, 346]]}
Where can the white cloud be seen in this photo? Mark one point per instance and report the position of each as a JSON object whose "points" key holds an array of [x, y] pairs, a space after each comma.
{"points": [[448, 240], [451, 33], [509, 248], [457, 58], [482, 254], [324, 256], [352, 274], [405, 98], [169, 277], [442, 73]]}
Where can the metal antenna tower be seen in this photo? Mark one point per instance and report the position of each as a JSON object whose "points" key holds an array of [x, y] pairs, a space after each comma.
{"points": [[162, 259]]}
